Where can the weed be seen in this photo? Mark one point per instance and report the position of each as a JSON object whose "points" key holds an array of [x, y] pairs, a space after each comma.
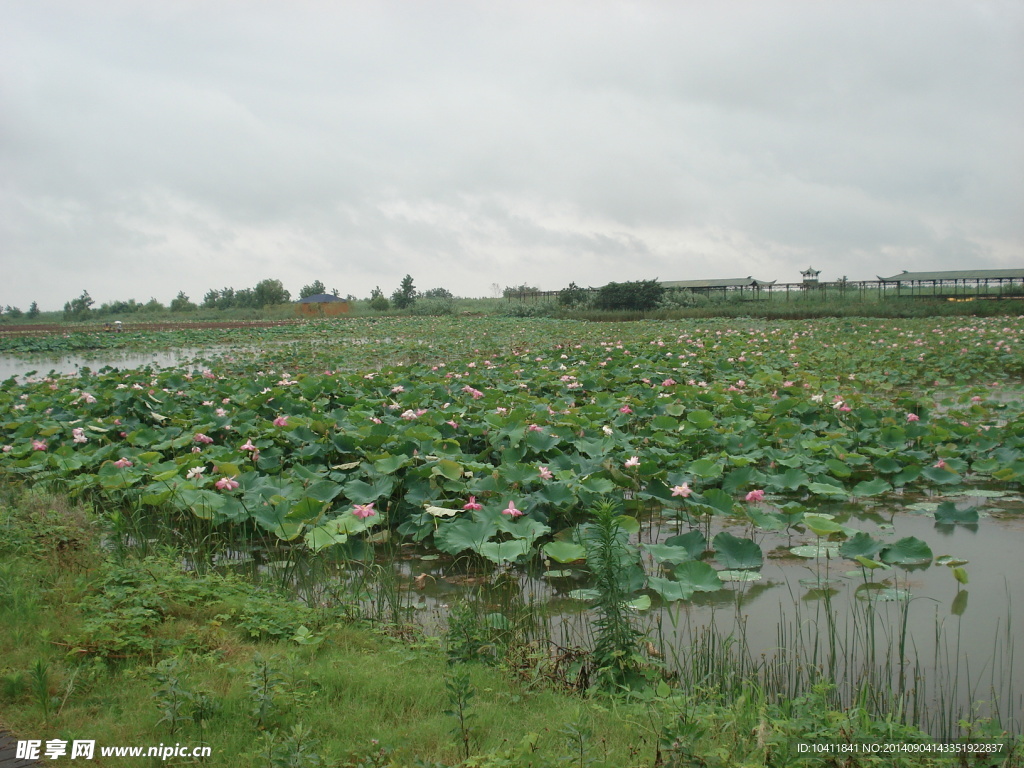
{"points": [[173, 701], [613, 562], [265, 685], [39, 680], [296, 749], [577, 738], [460, 694]]}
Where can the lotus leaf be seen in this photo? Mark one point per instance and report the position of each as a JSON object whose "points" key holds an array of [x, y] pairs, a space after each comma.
{"points": [[735, 553], [907, 551]]}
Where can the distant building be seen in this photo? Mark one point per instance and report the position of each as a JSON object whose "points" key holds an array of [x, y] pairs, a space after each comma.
{"points": [[810, 276], [322, 305]]}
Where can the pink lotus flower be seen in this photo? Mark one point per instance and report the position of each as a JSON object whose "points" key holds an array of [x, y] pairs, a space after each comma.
{"points": [[511, 511], [226, 484], [625, 409], [195, 473], [39, 445], [683, 490], [7, 448], [281, 421], [534, 428], [940, 464], [633, 461], [913, 417], [476, 394], [201, 438], [247, 446], [78, 433], [122, 463], [364, 511], [545, 473], [472, 505], [755, 495]]}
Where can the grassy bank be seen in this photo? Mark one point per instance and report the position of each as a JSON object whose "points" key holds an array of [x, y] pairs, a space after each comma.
{"points": [[100, 644]]}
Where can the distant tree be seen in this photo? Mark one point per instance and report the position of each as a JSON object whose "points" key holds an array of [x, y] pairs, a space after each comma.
{"points": [[639, 295], [78, 309], [119, 307], [438, 293], [211, 298], [313, 289], [227, 299], [152, 306], [33, 311], [519, 290], [14, 312], [182, 303], [269, 292], [572, 296], [405, 295], [378, 301], [245, 298]]}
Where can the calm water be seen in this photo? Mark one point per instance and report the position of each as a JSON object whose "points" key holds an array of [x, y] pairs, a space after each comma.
{"points": [[70, 365]]}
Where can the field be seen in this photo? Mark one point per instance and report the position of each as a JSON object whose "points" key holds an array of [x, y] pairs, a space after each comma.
{"points": [[638, 469]]}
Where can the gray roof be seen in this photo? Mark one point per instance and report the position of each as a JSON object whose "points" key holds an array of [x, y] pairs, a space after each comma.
{"points": [[958, 274], [319, 298], [730, 282]]}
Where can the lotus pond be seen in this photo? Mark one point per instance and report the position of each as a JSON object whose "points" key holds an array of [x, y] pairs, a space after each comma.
{"points": [[836, 499]]}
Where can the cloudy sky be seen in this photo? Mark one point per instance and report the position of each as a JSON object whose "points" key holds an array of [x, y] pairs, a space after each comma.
{"points": [[150, 147]]}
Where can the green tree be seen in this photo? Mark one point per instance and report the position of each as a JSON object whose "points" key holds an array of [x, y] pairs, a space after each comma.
{"points": [[182, 303], [405, 295], [78, 309], [638, 295], [519, 290], [33, 311], [572, 296], [227, 299], [315, 288], [245, 298], [269, 292], [438, 293], [378, 301]]}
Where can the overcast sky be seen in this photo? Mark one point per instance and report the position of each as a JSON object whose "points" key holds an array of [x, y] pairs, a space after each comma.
{"points": [[156, 146]]}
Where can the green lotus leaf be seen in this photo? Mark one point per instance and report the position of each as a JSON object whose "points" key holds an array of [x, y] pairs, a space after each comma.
{"points": [[564, 551], [871, 487], [700, 576], [735, 553], [663, 553], [860, 545], [948, 514], [505, 551], [670, 591], [822, 549], [907, 551]]}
